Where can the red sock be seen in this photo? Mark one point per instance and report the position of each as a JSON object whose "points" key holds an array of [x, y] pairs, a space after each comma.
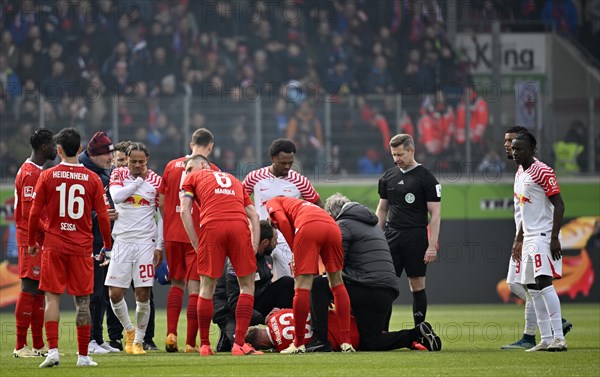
{"points": [[192, 320], [174, 302], [37, 321], [52, 334], [342, 307], [243, 315], [205, 312], [83, 338], [23, 314], [301, 309]]}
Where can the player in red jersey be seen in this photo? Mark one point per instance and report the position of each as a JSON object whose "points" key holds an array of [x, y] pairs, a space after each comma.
{"points": [[30, 304], [181, 255], [280, 332], [68, 192], [537, 242], [225, 209], [311, 233]]}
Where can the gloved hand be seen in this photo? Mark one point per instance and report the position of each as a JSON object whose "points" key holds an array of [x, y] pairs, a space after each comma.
{"points": [[105, 255], [162, 274]]}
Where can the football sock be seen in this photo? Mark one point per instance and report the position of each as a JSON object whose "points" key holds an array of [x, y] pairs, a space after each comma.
{"points": [[543, 319], [174, 303], [205, 312], [342, 307], [553, 306], [192, 320], [52, 334], [518, 290], [122, 314], [419, 306], [243, 315], [23, 314], [83, 338], [37, 321], [142, 315], [301, 307], [530, 318]]}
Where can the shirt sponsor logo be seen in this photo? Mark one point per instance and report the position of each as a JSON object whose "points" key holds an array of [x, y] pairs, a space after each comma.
{"points": [[410, 198], [28, 191]]}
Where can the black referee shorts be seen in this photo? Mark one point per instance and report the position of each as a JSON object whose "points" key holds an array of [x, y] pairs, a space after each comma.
{"points": [[408, 246]]}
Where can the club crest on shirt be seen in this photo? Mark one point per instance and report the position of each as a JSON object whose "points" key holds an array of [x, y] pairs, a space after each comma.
{"points": [[410, 198]]}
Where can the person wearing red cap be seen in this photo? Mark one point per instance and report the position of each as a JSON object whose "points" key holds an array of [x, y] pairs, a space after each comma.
{"points": [[98, 157], [69, 193]]}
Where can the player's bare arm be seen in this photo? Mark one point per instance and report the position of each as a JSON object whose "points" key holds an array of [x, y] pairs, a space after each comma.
{"points": [[434, 209], [382, 212], [518, 244], [254, 225], [188, 221], [160, 240], [559, 210]]}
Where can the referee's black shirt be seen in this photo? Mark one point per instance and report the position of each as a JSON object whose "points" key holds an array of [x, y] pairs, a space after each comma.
{"points": [[407, 195]]}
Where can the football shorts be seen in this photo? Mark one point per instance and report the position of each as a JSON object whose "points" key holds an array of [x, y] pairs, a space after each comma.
{"points": [[314, 239], [536, 260], [62, 270], [182, 261], [131, 261], [29, 267]]}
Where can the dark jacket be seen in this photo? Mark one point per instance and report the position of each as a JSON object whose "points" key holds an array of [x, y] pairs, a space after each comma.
{"points": [[221, 311], [264, 269], [367, 258], [104, 175]]}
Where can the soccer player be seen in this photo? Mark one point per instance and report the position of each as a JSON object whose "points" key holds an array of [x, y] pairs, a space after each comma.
{"points": [[98, 157], [120, 158], [513, 279], [275, 180], [409, 193], [29, 310], [138, 242], [181, 256], [268, 294], [280, 332], [537, 243], [312, 233], [69, 192], [225, 213]]}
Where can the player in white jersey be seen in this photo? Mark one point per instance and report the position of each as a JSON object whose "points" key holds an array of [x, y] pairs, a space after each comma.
{"points": [[138, 241], [537, 243], [279, 179]]}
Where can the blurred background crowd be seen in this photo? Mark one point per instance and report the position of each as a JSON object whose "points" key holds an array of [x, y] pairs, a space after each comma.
{"points": [[151, 66]]}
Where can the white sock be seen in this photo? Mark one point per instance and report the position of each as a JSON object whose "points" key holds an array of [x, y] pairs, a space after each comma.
{"points": [[518, 290], [553, 306], [142, 316], [543, 319], [122, 313], [530, 317]]}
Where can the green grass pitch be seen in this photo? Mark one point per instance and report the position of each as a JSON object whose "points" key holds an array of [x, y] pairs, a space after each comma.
{"points": [[471, 335]]}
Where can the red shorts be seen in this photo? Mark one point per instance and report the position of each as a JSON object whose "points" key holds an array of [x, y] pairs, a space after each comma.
{"points": [[220, 239], [182, 261], [29, 267], [75, 272], [317, 238]]}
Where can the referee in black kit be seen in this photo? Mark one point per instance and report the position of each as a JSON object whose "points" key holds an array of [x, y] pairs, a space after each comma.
{"points": [[408, 193]]}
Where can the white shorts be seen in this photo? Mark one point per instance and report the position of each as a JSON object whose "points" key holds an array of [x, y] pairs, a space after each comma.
{"points": [[282, 258], [536, 260], [514, 272], [131, 261]]}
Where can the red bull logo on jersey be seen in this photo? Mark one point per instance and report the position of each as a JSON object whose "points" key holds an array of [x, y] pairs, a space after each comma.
{"points": [[523, 199], [137, 201]]}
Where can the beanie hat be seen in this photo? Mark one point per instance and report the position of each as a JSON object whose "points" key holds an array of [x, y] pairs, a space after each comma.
{"points": [[99, 144]]}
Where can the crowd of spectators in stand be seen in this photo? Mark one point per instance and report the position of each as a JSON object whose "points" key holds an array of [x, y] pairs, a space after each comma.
{"points": [[78, 54]]}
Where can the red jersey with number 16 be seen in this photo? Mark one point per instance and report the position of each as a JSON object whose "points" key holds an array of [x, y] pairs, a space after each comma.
{"points": [[69, 193], [220, 195]]}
